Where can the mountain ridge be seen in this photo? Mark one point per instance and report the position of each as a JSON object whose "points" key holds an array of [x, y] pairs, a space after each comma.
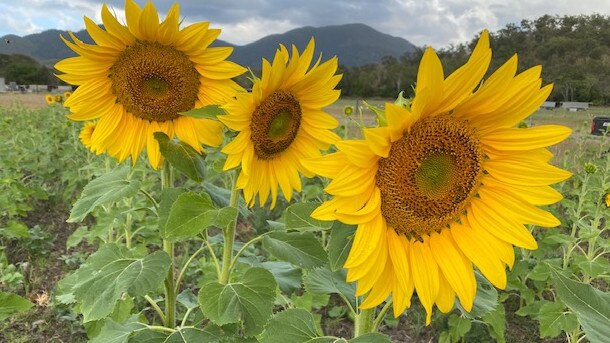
{"points": [[354, 44]]}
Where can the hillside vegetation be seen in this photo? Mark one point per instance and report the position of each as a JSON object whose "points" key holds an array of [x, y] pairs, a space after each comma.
{"points": [[573, 50]]}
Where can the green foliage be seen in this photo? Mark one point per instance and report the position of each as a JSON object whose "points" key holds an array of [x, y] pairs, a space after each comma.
{"points": [[207, 112], [591, 306], [189, 215], [106, 189], [300, 248], [297, 217], [11, 303], [182, 157], [298, 326], [568, 47], [111, 271], [248, 300]]}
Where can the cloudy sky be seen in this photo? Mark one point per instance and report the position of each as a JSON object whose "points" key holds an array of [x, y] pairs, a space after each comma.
{"points": [[423, 22]]}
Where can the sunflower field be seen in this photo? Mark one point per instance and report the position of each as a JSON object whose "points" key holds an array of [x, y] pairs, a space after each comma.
{"points": [[163, 202]]}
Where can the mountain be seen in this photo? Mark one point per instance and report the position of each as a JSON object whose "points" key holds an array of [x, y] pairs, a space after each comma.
{"points": [[354, 44]]}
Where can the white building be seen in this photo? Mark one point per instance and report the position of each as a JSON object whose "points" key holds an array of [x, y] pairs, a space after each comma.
{"points": [[2, 85]]}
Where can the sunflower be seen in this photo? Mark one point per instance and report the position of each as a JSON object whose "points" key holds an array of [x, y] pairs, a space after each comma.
{"points": [[280, 123], [447, 184], [607, 199], [49, 99], [58, 98], [86, 133], [138, 79], [67, 95]]}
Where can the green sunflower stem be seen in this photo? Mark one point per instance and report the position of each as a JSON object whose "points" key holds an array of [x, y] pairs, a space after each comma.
{"points": [[229, 239], [168, 247], [364, 322]]}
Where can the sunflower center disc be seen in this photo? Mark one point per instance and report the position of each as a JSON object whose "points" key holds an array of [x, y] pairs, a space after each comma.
{"points": [[154, 82], [430, 176], [275, 124]]}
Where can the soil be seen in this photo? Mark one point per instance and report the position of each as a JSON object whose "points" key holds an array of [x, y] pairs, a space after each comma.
{"points": [[44, 323]]}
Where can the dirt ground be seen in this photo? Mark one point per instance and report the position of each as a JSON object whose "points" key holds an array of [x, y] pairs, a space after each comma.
{"points": [[29, 100]]}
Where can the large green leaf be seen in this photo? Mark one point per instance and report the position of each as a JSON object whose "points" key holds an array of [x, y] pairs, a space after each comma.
{"points": [[299, 248], [168, 197], [298, 326], [294, 326], [12, 303], [591, 306], [554, 319], [15, 229], [324, 281], [250, 300], [207, 112], [222, 198], [189, 215], [496, 320], [113, 332], [181, 335], [287, 276], [485, 301], [106, 189], [340, 243], [182, 157], [109, 273], [298, 217]]}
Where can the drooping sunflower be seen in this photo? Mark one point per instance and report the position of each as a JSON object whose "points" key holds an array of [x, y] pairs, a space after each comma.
{"points": [[447, 184], [49, 99], [280, 123], [139, 78], [86, 133]]}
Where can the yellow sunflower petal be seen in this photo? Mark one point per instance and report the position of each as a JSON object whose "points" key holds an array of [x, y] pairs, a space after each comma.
{"points": [[425, 275]]}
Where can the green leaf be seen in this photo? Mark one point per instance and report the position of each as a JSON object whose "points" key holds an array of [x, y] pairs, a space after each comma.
{"points": [[541, 272], [222, 197], [371, 338], [188, 299], [182, 157], [249, 300], [104, 190], [496, 320], [207, 112], [591, 306], [168, 197], [554, 319], [340, 243], [190, 214], [292, 325], [287, 276], [379, 113], [12, 303], [191, 335], [113, 332], [458, 327], [77, 236], [485, 301], [15, 229], [324, 281], [110, 272], [298, 217], [299, 248]]}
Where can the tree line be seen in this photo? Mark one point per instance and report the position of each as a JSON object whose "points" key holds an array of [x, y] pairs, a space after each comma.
{"points": [[574, 52]]}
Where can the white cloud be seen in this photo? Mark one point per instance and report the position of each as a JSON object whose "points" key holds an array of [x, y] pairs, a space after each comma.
{"points": [[433, 22]]}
